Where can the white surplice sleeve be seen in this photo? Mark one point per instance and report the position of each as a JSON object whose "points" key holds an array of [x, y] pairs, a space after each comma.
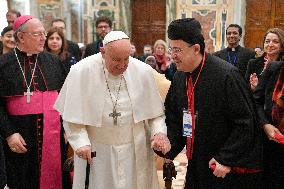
{"points": [[157, 125], [77, 135]]}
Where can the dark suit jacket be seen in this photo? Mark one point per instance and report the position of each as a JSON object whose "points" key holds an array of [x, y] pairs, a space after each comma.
{"points": [[93, 48], [74, 50], [243, 57]]}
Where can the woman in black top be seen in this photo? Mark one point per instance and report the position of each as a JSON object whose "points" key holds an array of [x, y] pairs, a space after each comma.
{"points": [[269, 99], [56, 44], [273, 44]]}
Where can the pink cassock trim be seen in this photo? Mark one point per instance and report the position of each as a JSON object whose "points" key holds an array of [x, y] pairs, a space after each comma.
{"points": [[42, 103]]}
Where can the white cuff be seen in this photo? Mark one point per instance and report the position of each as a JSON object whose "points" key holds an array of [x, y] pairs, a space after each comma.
{"points": [[158, 125], [76, 134]]}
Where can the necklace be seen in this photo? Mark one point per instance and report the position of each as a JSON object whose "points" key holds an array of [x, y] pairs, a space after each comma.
{"points": [[114, 113], [28, 93]]}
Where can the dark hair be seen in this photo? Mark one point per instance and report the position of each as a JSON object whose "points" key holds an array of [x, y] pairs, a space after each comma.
{"points": [[58, 20], [235, 26], [188, 30], [104, 19], [280, 34], [17, 13], [6, 29], [63, 54]]}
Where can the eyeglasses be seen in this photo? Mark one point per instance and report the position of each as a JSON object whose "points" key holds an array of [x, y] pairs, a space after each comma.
{"points": [[176, 50], [37, 34]]}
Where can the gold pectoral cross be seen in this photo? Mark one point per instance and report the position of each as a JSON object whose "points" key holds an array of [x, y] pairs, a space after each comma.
{"points": [[114, 115], [28, 94]]}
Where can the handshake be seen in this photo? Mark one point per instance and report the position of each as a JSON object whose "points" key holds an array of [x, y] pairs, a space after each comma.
{"points": [[160, 142]]}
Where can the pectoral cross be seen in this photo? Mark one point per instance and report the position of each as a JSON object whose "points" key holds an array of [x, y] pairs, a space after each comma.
{"points": [[28, 94], [114, 115]]}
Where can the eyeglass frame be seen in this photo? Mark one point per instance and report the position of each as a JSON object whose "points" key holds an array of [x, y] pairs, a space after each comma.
{"points": [[176, 50], [36, 34]]}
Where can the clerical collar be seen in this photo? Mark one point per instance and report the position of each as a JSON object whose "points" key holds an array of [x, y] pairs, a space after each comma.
{"points": [[233, 49], [24, 53]]}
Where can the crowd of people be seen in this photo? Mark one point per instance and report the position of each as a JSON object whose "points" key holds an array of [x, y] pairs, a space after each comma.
{"points": [[117, 110]]}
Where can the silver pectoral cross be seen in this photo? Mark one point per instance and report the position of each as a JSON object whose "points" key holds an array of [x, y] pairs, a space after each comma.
{"points": [[28, 94], [114, 115]]}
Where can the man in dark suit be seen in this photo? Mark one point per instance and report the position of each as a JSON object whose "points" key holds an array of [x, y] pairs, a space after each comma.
{"points": [[103, 27], [234, 53], [72, 47]]}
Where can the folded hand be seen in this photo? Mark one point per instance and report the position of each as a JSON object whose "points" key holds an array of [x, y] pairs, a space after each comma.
{"points": [[160, 142]]}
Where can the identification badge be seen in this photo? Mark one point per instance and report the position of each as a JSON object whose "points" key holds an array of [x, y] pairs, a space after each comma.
{"points": [[187, 124]]}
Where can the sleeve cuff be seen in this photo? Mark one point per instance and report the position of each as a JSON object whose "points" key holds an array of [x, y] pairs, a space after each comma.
{"points": [[158, 125], [77, 135]]}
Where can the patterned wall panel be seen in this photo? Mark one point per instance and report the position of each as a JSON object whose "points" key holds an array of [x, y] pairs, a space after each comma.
{"points": [[213, 16], [208, 29]]}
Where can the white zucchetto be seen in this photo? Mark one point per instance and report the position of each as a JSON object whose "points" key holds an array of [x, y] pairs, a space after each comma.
{"points": [[114, 36]]}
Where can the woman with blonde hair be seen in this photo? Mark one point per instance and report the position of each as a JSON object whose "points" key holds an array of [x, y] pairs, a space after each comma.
{"points": [[163, 59]]}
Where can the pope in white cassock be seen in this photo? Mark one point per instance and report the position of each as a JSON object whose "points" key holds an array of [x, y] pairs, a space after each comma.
{"points": [[110, 104]]}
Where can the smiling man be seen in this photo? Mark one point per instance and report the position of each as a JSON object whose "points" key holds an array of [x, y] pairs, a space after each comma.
{"points": [[115, 95], [29, 83], [234, 53], [209, 110]]}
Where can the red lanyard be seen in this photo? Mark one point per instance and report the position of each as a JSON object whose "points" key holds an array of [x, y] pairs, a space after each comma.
{"points": [[190, 93]]}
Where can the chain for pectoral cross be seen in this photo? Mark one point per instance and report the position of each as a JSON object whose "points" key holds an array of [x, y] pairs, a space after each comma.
{"points": [[114, 113], [28, 94]]}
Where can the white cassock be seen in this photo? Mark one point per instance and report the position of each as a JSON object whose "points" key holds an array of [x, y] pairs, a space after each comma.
{"points": [[124, 159]]}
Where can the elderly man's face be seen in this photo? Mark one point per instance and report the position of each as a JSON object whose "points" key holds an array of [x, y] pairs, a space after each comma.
{"points": [[32, 38], [183, 55], [116, 55]]}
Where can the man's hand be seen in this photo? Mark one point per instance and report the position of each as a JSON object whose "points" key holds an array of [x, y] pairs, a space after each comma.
{"points": [[17, 143], [84, 153], [160, 142], [220, 170], [270, 131]]}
